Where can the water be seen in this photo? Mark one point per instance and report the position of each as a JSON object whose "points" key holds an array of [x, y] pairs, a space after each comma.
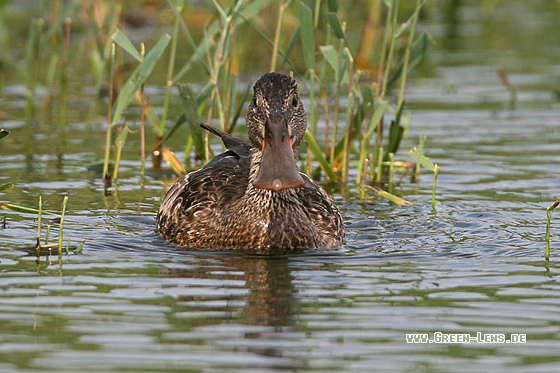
{"points": [[473, 264]]}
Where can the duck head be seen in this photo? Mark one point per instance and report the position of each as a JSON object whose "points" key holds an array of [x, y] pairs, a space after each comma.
{"points": [[276, 123]]}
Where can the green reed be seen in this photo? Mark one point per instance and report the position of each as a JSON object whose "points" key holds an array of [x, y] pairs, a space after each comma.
{"points": [[355, 101], [170, 68], [31, 63], [5, 186], [61, 230], [39, 220], [548, 217], [128, 90], [419, 156], [40, 213], [109, 113]]}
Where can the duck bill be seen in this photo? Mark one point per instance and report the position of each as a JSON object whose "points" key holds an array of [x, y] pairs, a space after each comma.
{"points": [[278, 169]]}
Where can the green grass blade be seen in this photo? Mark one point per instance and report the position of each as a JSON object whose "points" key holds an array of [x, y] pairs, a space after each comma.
{"points": [[334, 22], [23, 209], [31, 56], [120, 140], [436, 172], [305, 16], [220, 10], [548, 214], [138, 78], [61, 229], [389, 196], [190, 107], [205, 93], [344, 60], [182, 119], [39, 219], [197, 56], [6, 186], [189, 100], [203, 48], [149, 112], [376, 117], [80, 247], [124, 42], [372, 126], [177, 7], [290, 47], [419, 49], [396, 132], [170, 69], [252, 9], [314, 148], [239, 109], [331, 56], [333, 5], [69, 10], [422, 159]]}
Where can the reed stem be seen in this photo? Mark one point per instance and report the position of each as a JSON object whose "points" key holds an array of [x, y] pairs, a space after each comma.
{"points": [[31, 57], [436, 172], [421, 144], [60, 233], [170, 70], [379, 165], [407, 52], [316, 13], [48, 234], [142, 124], [335, 123], [312, 116], [39, 219], [391, 170], [109, 112], [349, 109], [548, 215], [276, 45], [393, 15]]}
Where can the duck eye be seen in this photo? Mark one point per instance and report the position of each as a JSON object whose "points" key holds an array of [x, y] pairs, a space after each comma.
{"points": [[295, 101]]}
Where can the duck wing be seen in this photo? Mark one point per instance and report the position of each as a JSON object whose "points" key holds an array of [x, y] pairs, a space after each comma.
{"points": [[322, 212], [188, 208]]}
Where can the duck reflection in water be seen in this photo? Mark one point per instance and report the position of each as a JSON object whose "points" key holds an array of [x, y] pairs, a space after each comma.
{"points": [[269, 281]]}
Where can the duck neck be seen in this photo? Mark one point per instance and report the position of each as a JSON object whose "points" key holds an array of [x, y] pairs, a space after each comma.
{"points": [[256, 156]]}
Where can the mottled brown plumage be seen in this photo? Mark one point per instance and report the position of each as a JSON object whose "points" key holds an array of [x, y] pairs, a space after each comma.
{"points": [[252, 197]]}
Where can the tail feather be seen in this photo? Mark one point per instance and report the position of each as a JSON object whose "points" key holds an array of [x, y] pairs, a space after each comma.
{"points": [[239, 146]]}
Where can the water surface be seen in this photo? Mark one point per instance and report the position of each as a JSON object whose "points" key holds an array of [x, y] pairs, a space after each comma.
{"points": [[473, 264]]}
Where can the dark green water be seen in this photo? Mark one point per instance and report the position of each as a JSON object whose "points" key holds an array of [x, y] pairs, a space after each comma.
{"points": [[474, 264]]}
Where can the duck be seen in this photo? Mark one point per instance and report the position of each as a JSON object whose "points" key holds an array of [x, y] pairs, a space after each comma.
{"points": [[252, 198]]}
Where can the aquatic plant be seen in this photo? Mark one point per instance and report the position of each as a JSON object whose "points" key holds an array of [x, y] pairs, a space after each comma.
{"points": [[5, 186], [426, 162], [548, 214], [42, 246], [128, 90], [355, 94]]}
